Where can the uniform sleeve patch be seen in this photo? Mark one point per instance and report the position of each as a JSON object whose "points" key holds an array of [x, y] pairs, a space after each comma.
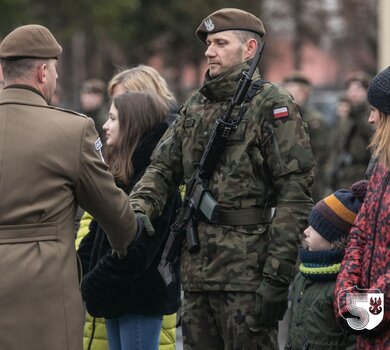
{"points": [[98, 144], [98, 147], [280, 112]]}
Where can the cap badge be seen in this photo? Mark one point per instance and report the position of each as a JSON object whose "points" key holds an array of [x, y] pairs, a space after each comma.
{"points": [[209, 24]]}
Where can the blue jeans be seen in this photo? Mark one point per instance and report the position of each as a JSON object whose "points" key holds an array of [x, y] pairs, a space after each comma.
{"points": [[134, 332]]}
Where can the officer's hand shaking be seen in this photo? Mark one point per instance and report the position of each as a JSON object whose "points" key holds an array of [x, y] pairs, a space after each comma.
{"points": [[271, 302], [143, 224]]}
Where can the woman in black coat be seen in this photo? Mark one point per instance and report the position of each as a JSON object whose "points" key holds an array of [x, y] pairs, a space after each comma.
{"points": [[130, 293]]}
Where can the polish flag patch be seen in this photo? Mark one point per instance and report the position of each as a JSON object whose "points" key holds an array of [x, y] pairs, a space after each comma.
{"points": [[280, 112]]}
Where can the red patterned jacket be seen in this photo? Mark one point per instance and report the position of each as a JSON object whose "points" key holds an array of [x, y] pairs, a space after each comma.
{"points": [[366, 262]]}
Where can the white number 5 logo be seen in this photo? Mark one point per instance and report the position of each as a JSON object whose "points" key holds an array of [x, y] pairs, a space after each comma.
{"points": [[365, 305]]}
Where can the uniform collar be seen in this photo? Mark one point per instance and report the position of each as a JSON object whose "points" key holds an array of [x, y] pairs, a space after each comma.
{"points": [[224, 86], [19, 93]]}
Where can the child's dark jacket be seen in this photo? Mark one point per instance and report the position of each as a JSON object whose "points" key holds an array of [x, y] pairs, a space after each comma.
{"points": [[313, 324]]}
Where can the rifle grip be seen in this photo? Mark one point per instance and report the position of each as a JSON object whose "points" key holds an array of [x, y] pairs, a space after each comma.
{"points": [[192, 239], [167, 273]]}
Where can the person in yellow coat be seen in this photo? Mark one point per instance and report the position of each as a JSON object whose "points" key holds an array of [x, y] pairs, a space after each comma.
{"points": [[95, 334]]}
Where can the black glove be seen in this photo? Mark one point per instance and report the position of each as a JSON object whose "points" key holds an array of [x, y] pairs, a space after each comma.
{"points": [[271, 302]]}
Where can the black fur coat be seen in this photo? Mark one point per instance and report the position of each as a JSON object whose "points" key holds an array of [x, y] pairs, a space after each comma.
{"points": [[113, 288]]}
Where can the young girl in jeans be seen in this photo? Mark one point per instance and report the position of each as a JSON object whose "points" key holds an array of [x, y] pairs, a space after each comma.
{"points": [[130, 293]]}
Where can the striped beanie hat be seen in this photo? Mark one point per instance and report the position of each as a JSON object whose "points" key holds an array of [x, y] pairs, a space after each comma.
{"points": [[333, 216]]}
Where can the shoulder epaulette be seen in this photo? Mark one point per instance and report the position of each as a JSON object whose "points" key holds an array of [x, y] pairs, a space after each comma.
{"points": [[44, 106], [66, 110]]}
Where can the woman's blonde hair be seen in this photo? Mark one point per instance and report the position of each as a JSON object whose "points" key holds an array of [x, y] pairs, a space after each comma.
{"points": [[144, 78], [380, 143]]}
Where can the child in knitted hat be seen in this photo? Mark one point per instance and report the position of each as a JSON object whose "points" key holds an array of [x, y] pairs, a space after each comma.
{"points": [[366, 262], [313, 324]]}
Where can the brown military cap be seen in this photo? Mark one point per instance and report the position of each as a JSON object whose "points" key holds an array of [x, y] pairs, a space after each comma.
{"points": [[360, 76], [297, 77], [93, 86], [229, 19], [29, 41]]}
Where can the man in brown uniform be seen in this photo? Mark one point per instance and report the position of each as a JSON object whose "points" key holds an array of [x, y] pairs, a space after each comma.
{"points": [[49, 162]]}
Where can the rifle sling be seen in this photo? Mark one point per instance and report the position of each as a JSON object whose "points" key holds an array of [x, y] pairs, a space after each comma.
{"points": [[243, 217], [254, 89]]}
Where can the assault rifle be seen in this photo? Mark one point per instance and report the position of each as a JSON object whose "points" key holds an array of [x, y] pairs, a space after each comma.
{"points": [[198, 200]]}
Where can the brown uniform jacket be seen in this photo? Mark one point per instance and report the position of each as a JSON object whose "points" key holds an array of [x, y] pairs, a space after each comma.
{"points": [[48, 164]]}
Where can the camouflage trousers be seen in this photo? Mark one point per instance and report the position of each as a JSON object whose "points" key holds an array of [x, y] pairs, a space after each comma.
{"points": [[219, 321]]}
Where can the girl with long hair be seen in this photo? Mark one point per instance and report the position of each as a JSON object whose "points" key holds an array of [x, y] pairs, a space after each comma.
{"points": [[130, 293]]}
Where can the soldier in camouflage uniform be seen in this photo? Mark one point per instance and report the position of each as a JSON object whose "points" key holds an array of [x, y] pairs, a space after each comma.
{"points": [[349, 153], [93, 103], [236, 286], [300, 88]]}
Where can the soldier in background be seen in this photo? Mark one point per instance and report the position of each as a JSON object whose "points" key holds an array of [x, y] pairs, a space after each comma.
{"points": [[236, 286], [300, 88], [93, 102], [93, 98], [349, 154]]}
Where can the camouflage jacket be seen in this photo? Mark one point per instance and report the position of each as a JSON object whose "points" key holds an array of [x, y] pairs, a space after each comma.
{"points": [[236, 258], [349, 153], [319, 140]]}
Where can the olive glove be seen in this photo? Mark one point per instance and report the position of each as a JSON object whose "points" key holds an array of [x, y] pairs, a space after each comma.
{"points": [[271, 302], [143, 224], [147, 224]]}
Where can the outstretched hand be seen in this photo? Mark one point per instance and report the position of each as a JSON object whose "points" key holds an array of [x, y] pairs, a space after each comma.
{"points": [[143, 224]]}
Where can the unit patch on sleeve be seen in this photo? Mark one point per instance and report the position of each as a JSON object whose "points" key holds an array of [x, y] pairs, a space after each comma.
{"points": [[98, 147], [281, 112]]}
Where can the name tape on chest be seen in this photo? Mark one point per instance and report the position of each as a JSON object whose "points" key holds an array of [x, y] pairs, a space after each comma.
{"points": [[281, 112]]}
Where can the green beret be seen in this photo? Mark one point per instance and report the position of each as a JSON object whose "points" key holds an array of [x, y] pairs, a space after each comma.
{"points": [[229, 19], [30, 41]]}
